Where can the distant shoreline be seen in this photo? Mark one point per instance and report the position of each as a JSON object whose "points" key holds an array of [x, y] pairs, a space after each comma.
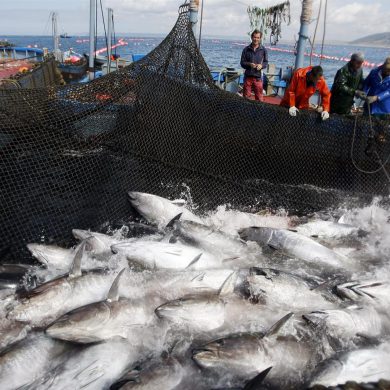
{"points": [[224, 38]]}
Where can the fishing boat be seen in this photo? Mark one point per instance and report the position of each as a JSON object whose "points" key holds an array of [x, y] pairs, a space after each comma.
{"points": [[26, 67], [72, 65], [65, 35]]}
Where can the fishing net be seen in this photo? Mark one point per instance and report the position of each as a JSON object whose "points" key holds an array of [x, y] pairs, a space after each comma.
{"points": [[269, 20], [70, 154]]}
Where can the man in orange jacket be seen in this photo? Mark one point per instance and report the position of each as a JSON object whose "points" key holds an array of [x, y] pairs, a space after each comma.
{"points": [[305, 82]]}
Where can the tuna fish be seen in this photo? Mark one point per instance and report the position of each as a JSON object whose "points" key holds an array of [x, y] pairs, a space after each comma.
{"points": [[296, 245], [282, 289], [48, 302], [364, 365], [160, 211], [247, 354], [104, 320], [29, 359]]}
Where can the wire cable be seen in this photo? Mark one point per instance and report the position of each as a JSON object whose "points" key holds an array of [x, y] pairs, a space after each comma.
{"points": [[201, 24], [371, 134], [104, 23], [324, 33], [315, 32]]}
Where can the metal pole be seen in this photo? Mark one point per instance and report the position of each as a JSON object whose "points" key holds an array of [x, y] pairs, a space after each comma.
{"points": [[92, 30], [307, 9], [56, 46], [194, 6], [109, 35]]}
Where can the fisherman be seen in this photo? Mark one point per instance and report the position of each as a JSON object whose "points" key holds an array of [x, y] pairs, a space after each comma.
{"points": [[377, 87], [348, 83], [305, 82], [254, 58]]}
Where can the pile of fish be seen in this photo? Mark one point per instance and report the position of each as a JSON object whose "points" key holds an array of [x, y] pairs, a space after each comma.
{"points": [[227, 300]]}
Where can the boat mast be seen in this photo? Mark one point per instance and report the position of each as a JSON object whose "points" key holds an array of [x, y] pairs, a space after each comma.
{"points": [[109, 35], [92, 31], [307, 9], [56, 46], [194, 6]]}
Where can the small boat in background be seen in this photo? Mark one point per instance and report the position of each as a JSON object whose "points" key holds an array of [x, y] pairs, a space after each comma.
{"points": [[72, 66], [65, 35]]}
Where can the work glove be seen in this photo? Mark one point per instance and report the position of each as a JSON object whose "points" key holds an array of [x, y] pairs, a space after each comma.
{"points": [[293, 111], [325, 115], [360, 94], [371, 99]]}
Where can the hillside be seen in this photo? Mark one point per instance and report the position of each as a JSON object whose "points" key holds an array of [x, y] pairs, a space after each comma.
{"points": [[381, 39]]}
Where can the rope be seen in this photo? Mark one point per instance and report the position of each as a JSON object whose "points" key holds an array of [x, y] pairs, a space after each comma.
{"points": [[307, 10], [371, 135], [324, 34], [201, 24], [104, 23], [315, 32], [114, 36]]}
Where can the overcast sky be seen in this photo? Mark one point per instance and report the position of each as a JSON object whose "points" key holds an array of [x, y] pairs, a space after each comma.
{"points": [[347, 19]]}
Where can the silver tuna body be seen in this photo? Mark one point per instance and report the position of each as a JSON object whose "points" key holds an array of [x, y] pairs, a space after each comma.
{"points": [[50, 301]]}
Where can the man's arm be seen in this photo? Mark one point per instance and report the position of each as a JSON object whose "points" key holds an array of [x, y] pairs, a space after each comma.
{"points": [[325, 95], [384, 95], [368, 82], [244, 63], [341, 83], [291, 90], [265, 59], [361, 81]]}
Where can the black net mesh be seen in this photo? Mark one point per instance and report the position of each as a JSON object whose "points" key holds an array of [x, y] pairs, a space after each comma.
{"points": [[68, 155]]}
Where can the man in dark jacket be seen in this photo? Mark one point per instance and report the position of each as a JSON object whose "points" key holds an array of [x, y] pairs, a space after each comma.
{"points": [[254, 58], [348, 83]]}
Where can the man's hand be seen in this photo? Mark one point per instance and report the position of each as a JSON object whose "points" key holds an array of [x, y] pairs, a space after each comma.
{"points": [[293, 111], [259, 66], [324, 115], [371, 99], [360, 94], [253, 65]]}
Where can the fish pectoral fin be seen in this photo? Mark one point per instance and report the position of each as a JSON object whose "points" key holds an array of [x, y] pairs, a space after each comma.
{"points": [[113, 294], [227, 287], [367, 340], [254, 383], [194, 261], [275, 328], [274, 247]]}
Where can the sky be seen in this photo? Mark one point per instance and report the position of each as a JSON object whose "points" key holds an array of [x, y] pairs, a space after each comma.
{"points": [[346, 19]]}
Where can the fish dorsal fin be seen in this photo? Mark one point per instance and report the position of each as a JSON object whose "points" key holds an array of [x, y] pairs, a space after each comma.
{"points": [[254, 384], [113, 294], [193, 262], [292, 230], [173, 220], [75, 269], [275, 328], [227, 287], [178, 202]]}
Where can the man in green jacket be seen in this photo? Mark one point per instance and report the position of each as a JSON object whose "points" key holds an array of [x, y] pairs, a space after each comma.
{"points": [[348, 83]]}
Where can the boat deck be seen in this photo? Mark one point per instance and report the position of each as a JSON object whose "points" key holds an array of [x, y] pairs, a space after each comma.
{"points": [[12, 67]]}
